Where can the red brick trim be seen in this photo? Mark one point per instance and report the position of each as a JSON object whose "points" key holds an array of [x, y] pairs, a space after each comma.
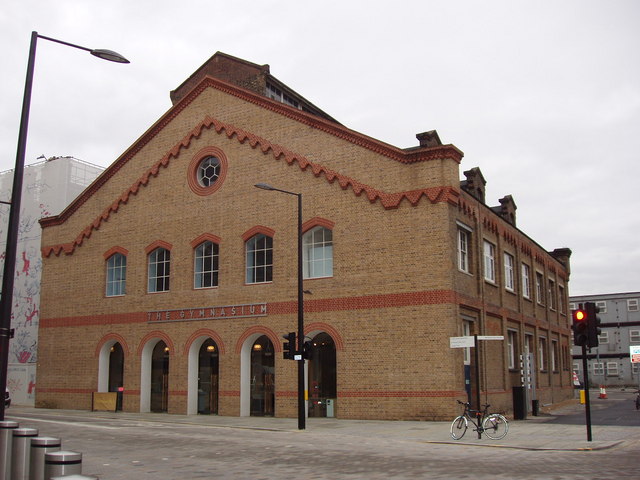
{"points": [[317, 222], [192, 171], [113, 336], [204, 237], [114, 250], [269, 232], [157, 244], [399, 393], [156, 334], [262, 330], [205, 332], [329, 330], [446, 194]]}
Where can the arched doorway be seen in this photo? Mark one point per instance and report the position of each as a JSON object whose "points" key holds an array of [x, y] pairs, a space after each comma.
{"points": [[322, 376], [160, 378], [116, 372], [208, 369], [262, 377]]}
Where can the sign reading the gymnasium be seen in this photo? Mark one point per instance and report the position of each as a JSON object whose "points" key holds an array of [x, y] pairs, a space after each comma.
{"points": [[208, 313]]}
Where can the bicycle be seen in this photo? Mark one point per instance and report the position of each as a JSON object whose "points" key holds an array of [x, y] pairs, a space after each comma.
{"points": [[493, 424]]}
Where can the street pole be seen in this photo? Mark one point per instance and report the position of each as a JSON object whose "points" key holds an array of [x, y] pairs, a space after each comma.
{"points": [[6, 298], [477, 358], [299, 356], [587, 402]]}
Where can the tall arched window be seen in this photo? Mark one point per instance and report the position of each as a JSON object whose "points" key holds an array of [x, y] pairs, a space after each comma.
{"points": [[259, 250], [159, 267], [317, 253], [116, 275], [206, 265]]}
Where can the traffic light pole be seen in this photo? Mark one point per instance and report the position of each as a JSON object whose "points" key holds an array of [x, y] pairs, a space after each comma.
{"points": [[587, 404]]}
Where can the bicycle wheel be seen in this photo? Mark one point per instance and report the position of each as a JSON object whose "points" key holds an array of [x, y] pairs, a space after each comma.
{"points": [[458, 427], [495, 426]]}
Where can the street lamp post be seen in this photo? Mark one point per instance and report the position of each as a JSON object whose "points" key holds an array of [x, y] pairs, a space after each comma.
{"points": [[6, 300], [299, 354]]}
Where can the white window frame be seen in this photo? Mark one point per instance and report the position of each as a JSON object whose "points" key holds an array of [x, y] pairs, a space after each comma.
{"points": [[612, 369], [158, 270], [526, 281], [317, 254], [634, 336], [489, 255], [116, 285], [577, 367], [512, 341], [598, 368], [554, 356], [206, 265], [259, 259], [603, 338], [540, 288], [562, 299], [551, 293], [632, 305], [542, 358], [509, 276], [602, 306], [464, 243], [635, 368]]}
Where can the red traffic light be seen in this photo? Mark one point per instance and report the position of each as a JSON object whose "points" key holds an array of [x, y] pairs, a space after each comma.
{"points": [[579, 315]]}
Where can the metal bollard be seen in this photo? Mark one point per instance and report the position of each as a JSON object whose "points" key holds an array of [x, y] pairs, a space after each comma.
{"points": [[59, 464], [20, 452], [6, 442], [40, 446]]}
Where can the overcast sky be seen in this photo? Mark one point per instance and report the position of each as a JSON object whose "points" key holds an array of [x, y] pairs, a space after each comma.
{"points": [[543, 96]]}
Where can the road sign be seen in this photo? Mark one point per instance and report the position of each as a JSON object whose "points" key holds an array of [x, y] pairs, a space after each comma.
{"points": [[634, 352], [461, 342], [490, 337]]}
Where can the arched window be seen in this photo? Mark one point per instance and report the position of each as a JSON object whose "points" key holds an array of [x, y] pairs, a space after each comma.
{"points": [[259, 250], [317, 253], [159, 267], [206, 265], [116, 275]]}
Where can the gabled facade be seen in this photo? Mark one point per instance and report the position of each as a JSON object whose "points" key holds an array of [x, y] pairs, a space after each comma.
{"points": [[185, 275]]}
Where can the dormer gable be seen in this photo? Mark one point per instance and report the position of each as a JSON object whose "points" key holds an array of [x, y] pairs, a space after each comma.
{"points": [[475, 184], [507, 209]]}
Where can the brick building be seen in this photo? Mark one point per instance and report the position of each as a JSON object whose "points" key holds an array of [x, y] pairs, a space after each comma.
{"points": [[173, 278]]}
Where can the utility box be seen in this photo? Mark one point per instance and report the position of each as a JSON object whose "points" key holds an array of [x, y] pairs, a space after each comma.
{"points": [[331, 407], [519, 403]]}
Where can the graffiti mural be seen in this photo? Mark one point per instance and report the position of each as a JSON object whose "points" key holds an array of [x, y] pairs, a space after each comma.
{"points": [[48, 187]]}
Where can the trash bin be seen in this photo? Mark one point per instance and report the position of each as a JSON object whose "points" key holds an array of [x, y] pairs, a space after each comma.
{"points": [[40, 446], [6, 441], [58, 464], [519, 403], [21, 451], [535, 407]]}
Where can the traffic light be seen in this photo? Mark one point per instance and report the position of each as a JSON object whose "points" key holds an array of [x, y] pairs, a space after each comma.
{"points": [[289, 347], [593, 324], [306, 350], [579, 327]]}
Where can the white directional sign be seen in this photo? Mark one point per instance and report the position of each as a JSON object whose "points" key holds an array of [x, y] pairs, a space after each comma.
{"points": [[634, 351], [490, 337], [461, 342]]}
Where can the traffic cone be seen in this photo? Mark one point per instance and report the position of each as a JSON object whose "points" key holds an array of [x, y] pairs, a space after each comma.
{"points": [[603, 392]]}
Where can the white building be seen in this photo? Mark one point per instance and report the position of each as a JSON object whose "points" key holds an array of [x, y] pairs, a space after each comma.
{"points": [[609, 363], [48, 187]]}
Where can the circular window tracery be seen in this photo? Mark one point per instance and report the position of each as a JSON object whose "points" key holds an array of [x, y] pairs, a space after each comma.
{"points": [[207, 171]]}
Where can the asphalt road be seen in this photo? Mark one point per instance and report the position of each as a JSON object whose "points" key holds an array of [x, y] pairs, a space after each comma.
{"points": [[617, 409]]}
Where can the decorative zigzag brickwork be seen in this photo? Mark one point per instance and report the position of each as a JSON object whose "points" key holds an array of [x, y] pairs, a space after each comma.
{"points": [[387, 200]]}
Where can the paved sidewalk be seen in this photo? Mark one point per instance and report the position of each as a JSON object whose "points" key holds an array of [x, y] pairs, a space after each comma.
{"points": [[531, 434]]}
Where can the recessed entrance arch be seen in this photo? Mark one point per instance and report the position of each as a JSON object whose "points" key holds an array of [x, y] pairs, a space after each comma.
{"points": [[111, 357], [322, 377], [155, 353]]}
